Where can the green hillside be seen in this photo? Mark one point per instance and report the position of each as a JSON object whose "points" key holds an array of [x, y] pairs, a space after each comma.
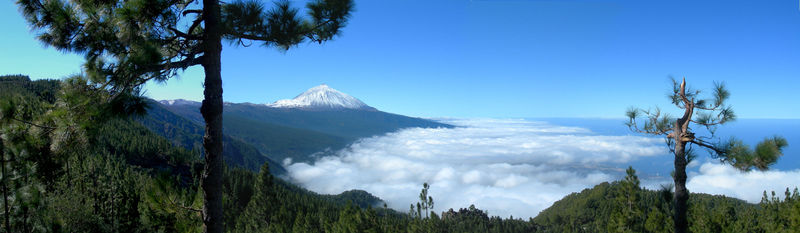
{"points": [[622, 207]]}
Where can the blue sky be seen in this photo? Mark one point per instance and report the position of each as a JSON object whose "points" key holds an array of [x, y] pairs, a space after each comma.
{"points": [[515, 58]]}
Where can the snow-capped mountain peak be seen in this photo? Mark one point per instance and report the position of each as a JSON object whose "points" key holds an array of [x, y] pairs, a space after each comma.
{"points": [[179, 102], [321, 97]]}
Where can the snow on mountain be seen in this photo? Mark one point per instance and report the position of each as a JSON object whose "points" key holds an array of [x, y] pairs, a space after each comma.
{"points": [[179, 102], [322, 97]]}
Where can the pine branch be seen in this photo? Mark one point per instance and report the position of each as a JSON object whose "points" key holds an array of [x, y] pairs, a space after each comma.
{"points": [[251, 37], [707, 124], [308, 33], [188, 208], [174, 203], [707, 108], [656, 124], [33, 124], [707, 145], [633, 127], [182, 64]]}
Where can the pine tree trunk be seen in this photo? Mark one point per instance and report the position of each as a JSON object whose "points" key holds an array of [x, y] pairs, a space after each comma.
{"points": [[211, 180], [681, 193], [681, 136]]}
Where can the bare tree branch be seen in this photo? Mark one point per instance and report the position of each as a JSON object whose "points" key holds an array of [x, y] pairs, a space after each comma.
{"points": [[184, 35], [192, 11], [684, 121], [196, 23]]}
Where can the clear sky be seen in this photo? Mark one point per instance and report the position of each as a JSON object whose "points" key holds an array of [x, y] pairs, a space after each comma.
{"points": [[514, 58]]}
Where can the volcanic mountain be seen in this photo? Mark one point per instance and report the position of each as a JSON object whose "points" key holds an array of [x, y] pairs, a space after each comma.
{"points": [[318, 120], [322, 97]]}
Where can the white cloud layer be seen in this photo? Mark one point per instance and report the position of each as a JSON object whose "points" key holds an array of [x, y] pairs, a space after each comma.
{"points": [[508, 167], [722, 179]]}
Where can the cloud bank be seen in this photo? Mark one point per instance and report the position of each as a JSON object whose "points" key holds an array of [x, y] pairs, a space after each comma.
{"points": [[508, 167], [714, 178]]}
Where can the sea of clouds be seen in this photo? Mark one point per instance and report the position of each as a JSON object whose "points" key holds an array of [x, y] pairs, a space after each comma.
{"points": [[511, 167], [714, 178]]}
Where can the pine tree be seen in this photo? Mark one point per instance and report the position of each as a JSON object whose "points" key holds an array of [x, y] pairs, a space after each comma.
{"points": [[658, 219], [127, 43], [22, 191], [708, 114], [258, 215], [627, 216], [426, 201]]}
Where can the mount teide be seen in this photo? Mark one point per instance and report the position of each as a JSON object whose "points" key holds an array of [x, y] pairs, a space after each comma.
{"points": [[322, 98], [319, 119]]}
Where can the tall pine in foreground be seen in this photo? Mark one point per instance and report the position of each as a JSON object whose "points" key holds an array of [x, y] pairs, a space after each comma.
{"points": [[127, 43], [681, 138]]}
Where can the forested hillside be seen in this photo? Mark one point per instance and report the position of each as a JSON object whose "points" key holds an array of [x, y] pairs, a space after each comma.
{"points": [[622, 206], [67, 167], [189, 135], [117, 176]]}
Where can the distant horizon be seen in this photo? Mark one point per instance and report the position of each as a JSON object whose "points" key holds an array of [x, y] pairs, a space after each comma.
{"points": [[500, 117], [506, 117]]}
